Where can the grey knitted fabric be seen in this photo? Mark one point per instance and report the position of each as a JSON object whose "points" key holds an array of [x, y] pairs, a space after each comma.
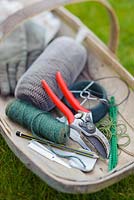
{"points": [[64, 54]]}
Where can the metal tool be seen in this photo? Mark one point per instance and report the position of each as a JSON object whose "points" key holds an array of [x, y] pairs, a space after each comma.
{"points": [[82, 121], [75, 136], [77, 161], [42, 150]]}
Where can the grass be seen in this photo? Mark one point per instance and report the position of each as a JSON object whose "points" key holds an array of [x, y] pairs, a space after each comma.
{"points": [[95, 17], [17, 182]]}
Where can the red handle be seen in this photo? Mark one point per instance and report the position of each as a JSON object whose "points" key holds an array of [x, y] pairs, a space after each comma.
{"points": [[64, 109], [69, 96]]}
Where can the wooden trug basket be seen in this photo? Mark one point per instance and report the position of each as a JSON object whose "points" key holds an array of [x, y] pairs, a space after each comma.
{"points": [[102, 62]]}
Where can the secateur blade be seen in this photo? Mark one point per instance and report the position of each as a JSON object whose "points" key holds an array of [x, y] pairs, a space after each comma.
{"points": [[93, 138], [96, 144]]}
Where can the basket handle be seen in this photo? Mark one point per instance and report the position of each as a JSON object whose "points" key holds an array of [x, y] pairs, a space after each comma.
{"points": [[8, 25]]}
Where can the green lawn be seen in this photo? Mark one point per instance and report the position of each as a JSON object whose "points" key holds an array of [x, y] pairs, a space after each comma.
{"points": [[17, 182], [95, 17]]}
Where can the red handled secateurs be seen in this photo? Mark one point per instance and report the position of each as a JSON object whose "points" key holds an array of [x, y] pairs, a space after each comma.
{"points": [[82, 121]]}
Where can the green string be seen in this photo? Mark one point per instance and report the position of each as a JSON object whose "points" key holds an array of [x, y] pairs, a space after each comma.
{"points": [[113, 157], [39, 122], [122, 133], [104, 126]]}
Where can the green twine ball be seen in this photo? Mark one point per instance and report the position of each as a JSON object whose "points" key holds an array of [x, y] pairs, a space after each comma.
{"points": [[40, 123]]}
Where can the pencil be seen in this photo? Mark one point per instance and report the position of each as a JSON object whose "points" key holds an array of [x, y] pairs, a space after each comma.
{"points": [[60, 146]]}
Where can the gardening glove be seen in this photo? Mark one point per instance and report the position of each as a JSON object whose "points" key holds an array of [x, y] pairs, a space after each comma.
{"points": [[35, 39], [13, 54], [18, 52], [24, 45]]}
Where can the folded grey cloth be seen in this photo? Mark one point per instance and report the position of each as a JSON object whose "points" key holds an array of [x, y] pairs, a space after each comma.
{"points": [[64, 54]]}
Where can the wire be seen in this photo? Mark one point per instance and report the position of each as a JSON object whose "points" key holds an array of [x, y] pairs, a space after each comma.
{"points": [[106, 102]]}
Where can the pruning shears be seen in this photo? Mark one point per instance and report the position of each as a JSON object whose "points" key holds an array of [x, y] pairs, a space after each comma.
{"points": [[82, 121]]}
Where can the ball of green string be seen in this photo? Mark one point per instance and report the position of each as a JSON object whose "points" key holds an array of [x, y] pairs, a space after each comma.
{"points": [[40, 123]]}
